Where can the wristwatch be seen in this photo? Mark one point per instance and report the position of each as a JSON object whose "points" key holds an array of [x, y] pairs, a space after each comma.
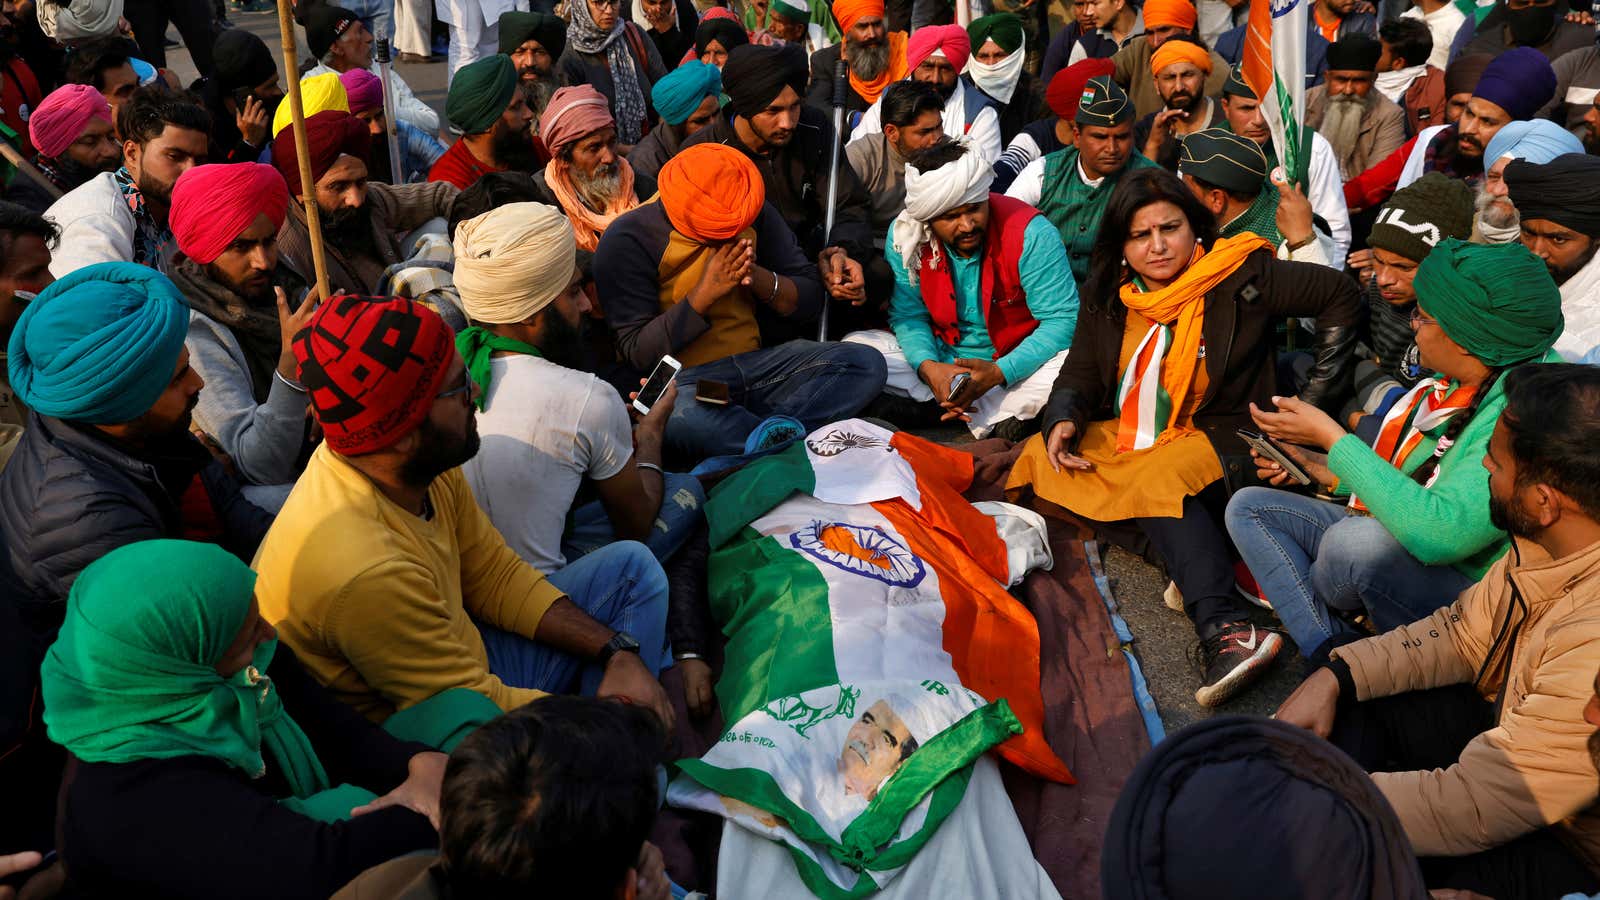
{"points": [[621, 642]]}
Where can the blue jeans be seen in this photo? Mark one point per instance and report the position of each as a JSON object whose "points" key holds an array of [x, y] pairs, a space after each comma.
{"points": [[1311, 557], [682, 506], [813, 382], [620, 586]]}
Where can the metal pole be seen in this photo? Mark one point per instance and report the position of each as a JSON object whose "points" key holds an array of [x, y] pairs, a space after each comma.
{"points": [[841, 81], [291, 69], [391, 124]]}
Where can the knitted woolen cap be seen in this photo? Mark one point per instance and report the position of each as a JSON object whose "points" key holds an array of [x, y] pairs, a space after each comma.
{"points": [[1421, 214]]}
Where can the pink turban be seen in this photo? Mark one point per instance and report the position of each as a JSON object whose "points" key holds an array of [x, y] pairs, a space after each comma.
{"points": [[363, 89], [949, 40], [212, 205], [572, 113], [61, 117]]}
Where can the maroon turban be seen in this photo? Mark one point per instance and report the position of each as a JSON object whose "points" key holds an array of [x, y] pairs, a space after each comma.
{"points": [[331, 134], [212, 205]]}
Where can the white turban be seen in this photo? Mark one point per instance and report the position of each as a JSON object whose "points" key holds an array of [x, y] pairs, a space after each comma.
{"points": [[930, 195], [79, 19], [513, 261]]}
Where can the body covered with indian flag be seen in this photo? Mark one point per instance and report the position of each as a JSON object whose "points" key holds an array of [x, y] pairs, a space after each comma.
{"points": [[873, 655]]}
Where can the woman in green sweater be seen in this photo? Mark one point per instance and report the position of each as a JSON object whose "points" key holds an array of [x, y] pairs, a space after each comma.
{"points": [[1411, 527]]}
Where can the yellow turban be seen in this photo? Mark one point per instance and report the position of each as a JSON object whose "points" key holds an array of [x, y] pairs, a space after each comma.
{"points": [[1175, 51], [513, 261], [319, 93]]}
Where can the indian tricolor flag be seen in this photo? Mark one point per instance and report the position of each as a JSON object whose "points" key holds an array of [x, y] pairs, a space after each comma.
{"points": [[1274, 66], [873, 650], [1476, 10]]}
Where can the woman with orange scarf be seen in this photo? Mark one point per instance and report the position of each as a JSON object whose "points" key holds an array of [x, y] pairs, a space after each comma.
{"points": [[1174, 342]]}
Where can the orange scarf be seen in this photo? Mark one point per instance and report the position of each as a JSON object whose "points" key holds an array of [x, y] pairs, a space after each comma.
{"points": [[1180, 305], [586, 223], [870, 91]]}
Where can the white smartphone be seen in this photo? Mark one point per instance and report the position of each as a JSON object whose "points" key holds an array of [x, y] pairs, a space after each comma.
{"points": [[656, 385]]}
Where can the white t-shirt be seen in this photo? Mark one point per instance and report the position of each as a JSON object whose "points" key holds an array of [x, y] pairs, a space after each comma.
{"points": [[544, 428], [1443, 23]]}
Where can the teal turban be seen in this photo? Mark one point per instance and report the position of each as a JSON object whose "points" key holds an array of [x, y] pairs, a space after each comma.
{"points": [[1003, 28], [480, 93], [1497, 301], [680, 93], [100, 345]]}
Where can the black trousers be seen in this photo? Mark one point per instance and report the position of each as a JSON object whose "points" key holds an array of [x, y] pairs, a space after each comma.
{"points": [[1199, 558], [195, 21], [1428, 730]]}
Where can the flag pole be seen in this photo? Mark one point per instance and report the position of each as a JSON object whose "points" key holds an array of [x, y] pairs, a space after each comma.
{"points": [[308, 185]]}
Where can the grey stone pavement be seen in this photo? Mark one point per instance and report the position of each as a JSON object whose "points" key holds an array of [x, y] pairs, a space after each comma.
{"points": [[1163, 639]]}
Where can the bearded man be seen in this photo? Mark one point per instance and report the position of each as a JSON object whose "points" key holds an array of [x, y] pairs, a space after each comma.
{"points": [[534, 41], [936, 55], [1362, 124], [496, 125], [1561, 224], [226, 219], [687, 100], [875, 57], [591, 182], [122, 215], [362, 223], [73, 132], [1539, 141], [1180, 67]]}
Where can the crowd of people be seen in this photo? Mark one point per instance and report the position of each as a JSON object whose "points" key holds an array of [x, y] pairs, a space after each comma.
{"points": [[369, 590]]}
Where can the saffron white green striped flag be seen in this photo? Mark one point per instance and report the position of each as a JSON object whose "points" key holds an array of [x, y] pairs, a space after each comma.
{"points": [[1274, 66], [873, 651], [1476, 10]]}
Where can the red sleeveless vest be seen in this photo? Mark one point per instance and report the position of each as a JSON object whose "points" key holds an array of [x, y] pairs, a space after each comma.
{"points": [[1005, 306]]}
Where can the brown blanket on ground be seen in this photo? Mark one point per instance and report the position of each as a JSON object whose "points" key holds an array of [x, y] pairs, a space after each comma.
{"points": [[1092, 720]]}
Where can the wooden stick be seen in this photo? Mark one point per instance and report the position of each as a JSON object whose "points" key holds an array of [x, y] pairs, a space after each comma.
{"points": [[291, 72], [29, 170]]}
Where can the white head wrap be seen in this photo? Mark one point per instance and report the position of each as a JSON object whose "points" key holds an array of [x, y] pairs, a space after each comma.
{"points": [[999, 80], [79, 19], [928, 196], [513, 261]]}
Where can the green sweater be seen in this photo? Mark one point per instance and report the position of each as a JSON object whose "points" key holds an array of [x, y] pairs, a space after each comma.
{"points": [[1448, 523]]}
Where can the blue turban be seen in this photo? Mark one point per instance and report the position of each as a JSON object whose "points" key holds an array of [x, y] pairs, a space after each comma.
{"points": [[679, 94], [1536, 140], [99, 346]]}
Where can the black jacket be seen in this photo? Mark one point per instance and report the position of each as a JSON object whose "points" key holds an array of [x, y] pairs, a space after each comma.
{"points": [[796, 176], [194, 826], [68, 497], [1237, 334]]}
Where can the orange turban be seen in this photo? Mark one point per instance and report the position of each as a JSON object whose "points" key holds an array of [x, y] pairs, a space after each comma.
{"points": [[1158, 13], [711, 192], [1175, 51], [849, 11]]}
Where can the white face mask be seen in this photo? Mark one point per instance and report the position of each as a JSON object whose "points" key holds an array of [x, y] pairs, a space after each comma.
{"points": [[999, 80]]}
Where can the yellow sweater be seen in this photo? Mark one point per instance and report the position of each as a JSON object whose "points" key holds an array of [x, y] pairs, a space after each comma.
{"points": [[375, 600]]}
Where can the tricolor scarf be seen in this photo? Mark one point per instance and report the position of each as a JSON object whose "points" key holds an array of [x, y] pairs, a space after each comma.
{"points": [[1426, 407], [586, 223], [1151, 391]]}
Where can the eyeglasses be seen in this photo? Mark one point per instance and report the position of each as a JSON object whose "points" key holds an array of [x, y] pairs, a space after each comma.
{"points": [[1418, 319], [464, 388]]}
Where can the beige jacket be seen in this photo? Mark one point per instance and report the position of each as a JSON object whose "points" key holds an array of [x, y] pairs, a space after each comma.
{"points": [[1533, 768], [1382, 131]]}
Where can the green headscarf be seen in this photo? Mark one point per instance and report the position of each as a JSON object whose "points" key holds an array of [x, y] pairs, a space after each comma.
{"points": [[1004, 28], [480, 92], [477, 346], [1497, 301], [132, 675]]}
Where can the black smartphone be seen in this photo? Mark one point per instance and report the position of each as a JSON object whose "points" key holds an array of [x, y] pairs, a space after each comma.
{"points": [[656, 384], [1267, 447]]}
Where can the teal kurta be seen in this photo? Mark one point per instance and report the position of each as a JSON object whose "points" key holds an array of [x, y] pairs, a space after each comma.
{"points": [[1075, 208]]}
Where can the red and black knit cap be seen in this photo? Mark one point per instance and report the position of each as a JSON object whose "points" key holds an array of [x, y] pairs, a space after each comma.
{"points": [[372, 367]]}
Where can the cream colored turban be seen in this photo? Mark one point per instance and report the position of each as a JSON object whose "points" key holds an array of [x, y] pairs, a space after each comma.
{"points": [[513, 261]]}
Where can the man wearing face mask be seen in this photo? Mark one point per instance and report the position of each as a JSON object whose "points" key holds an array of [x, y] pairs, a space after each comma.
{"points": [[1540, 24], [72, 131]]}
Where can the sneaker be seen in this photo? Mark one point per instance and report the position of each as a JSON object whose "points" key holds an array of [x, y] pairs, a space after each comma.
{"points": [[1245, 584], [1015, 430], [1233, 659]]}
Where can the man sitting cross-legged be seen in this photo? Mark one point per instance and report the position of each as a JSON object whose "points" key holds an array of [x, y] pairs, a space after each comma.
{"points": [[384, 575], [983, 295]]}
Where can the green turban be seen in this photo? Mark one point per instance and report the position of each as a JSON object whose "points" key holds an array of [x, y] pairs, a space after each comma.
{"points": [[480, 93], [517, 28], [1497, 301], [1004, 29]]}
